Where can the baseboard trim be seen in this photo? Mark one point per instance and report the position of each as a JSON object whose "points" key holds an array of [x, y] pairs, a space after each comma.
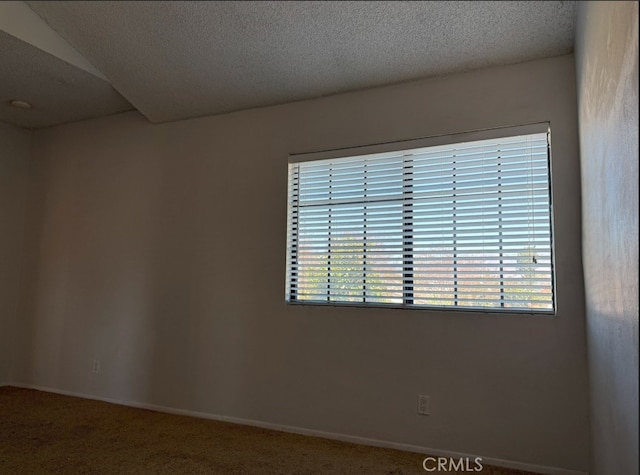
{"points": [[541, 469]]}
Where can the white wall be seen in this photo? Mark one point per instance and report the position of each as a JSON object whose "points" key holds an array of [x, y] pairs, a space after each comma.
{"points": [[607, 73], [160, 250], [14, 163]]}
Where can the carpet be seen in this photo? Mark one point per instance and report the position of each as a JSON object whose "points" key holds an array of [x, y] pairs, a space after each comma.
{"points": [[46, 433]]}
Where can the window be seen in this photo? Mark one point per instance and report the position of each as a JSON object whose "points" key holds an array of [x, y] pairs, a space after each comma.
{"points": [[436, 223]]}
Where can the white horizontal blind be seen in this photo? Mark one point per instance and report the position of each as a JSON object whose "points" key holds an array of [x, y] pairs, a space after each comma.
{"points": [[456, 226]]}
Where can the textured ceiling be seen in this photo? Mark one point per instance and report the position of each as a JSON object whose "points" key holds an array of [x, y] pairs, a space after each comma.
{"points": [[58, 91], [175, 60], [38, 66]]}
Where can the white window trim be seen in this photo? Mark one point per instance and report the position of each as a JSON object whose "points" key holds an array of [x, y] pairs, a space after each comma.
{"points": [[448, 139], [486, 134]]}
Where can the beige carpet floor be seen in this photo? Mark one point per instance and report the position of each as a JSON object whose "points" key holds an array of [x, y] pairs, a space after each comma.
{"points": [[45, 433]]}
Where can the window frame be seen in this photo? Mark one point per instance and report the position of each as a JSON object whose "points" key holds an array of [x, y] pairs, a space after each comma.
{"points": [[407, 280]]}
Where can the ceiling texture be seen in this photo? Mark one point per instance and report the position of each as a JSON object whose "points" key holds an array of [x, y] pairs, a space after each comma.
{"points": [[179, 60]]}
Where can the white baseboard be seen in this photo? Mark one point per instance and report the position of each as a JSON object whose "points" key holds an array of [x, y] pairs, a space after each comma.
{"points": [[315, 433]]}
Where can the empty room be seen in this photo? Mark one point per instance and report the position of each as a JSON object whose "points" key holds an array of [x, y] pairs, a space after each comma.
{"points": [[319, 237]]}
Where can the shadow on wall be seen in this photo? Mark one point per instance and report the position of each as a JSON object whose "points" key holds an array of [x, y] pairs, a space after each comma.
{"points": [[142, 264]]}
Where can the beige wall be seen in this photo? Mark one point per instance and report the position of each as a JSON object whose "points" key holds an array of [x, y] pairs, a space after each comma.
{"points": [[160, 250], [607, 73], [14, 163]]}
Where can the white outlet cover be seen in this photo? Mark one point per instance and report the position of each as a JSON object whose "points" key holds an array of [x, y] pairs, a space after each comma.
{"points": [[423, 405]]}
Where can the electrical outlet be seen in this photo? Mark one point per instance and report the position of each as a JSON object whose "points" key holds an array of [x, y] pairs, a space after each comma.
{"points": [[96, 367], [423, 405]]}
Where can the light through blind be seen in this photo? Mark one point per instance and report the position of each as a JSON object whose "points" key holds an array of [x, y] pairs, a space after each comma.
{"points": [[465, 226]]}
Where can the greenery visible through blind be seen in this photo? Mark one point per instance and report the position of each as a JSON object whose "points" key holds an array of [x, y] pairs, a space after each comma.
{"points": [[466, 226]]}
